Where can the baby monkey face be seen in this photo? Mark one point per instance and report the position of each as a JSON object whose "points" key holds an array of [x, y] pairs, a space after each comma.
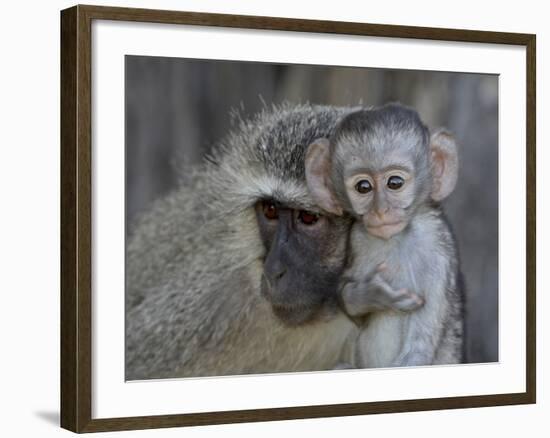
{"points": [[380, 165], [381, 197]]}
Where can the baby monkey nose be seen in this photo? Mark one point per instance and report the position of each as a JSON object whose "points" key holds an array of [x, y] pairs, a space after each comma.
{"points": [[382, 212]]}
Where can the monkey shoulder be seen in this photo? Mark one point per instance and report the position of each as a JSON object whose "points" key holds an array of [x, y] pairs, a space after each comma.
{"points": [[431, 229], [430, 252], [163, 248]]}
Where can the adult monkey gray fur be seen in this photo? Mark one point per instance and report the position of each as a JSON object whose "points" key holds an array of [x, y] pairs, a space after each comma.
{"points": [[236, 273], [382, 166]]}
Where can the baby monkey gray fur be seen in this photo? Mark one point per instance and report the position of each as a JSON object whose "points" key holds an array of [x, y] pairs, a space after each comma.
{"points": [[383, 167]]}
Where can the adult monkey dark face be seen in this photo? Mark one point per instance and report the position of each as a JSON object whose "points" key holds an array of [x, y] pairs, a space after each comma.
{"points": [[236, 272], [304, 261], [305, 252]]}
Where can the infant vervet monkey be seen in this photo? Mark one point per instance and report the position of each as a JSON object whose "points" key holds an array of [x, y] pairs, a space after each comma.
{"points": [[382, 166]]}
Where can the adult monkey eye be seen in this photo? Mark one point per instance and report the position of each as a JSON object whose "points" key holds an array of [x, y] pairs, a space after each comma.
{"points": [[395, 182], [270, 210], [307, 218], [363, 186]]}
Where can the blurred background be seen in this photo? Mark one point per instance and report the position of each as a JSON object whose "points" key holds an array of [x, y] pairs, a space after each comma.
{"points": [[177, 109]]}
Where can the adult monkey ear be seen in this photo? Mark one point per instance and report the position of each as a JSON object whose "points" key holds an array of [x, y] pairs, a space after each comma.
{"points": [[318, 176], [444, 156]]}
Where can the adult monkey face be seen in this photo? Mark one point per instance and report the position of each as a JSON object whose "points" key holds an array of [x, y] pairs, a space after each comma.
{"points": [[305, 256], [302, 255]]}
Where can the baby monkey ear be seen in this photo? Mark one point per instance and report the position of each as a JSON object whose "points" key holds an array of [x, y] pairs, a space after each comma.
{"points": [[444, 156], [318, 164]]}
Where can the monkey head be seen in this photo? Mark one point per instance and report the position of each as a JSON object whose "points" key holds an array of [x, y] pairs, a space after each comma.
{"points": [[302, 252], [380, 165]]}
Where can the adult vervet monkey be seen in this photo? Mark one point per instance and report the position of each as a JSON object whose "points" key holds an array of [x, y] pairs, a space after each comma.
{"points": [[238, 272]]}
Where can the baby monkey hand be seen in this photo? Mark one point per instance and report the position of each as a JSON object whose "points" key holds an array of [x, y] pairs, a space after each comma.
{"points": [[373, 294]]}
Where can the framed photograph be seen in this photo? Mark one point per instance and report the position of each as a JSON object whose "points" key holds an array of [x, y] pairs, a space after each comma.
{"points": [[267, 218]]}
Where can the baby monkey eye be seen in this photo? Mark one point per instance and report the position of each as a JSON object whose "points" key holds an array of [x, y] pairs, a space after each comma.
{"points": [[270, 210], [308, 218], [363, 186], [395, 182]]}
